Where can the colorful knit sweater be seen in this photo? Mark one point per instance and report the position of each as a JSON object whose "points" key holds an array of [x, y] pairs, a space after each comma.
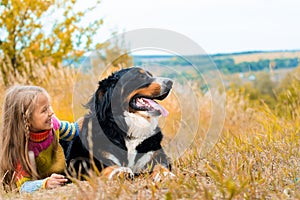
{"points": [[47, 160]]}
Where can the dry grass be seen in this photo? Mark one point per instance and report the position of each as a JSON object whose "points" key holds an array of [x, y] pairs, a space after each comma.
{"points": [[256, 157]]}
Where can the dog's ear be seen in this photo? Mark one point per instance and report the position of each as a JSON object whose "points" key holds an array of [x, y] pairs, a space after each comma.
{"points": [[103, 95], [103, 103]]}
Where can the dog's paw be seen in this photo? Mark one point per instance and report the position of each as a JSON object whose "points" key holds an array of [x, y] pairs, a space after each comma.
{"points": [[118, 172], [159, 173]]}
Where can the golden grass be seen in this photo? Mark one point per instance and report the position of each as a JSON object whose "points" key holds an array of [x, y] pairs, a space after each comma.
{"points": [[256, 157], [255, 57]]}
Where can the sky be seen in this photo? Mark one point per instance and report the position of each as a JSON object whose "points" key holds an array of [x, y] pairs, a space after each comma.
{"points": [[218, 26]]}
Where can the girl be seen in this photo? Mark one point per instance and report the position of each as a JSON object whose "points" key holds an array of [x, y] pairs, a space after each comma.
{"points": [[30, 154]]}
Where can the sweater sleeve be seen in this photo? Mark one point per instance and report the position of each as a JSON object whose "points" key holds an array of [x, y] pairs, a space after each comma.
{"points": [[32, 186], [67, 131]]}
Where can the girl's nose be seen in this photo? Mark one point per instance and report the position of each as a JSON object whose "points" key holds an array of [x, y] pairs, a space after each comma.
{"points": [[50, 112]]}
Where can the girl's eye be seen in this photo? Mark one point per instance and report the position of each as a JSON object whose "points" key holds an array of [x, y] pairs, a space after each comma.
{"points": [[45, 109]]}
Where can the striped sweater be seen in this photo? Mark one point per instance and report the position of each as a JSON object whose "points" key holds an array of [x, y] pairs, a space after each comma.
{"points": [[47, 161]]}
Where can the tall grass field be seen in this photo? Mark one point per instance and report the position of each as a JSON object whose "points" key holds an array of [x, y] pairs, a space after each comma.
{"points": [[256, 156]]}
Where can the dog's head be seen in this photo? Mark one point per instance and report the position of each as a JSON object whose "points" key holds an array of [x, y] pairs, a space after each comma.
{"points": [[134, 90]]}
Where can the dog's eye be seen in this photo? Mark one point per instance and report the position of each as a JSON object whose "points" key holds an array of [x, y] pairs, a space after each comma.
{"points": [[142, 76]]}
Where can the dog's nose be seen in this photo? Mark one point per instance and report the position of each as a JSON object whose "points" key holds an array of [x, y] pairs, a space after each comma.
{"points": [[168, 83]]}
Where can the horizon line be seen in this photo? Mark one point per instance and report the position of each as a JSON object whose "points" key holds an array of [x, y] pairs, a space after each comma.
{"points": [[220, 54]]}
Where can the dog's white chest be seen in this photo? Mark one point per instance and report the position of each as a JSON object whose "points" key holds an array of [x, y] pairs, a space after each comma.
{"points": [[139, 129]]}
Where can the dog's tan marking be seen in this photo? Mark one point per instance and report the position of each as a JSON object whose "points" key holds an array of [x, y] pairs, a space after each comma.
{"points": [[117, 172], [142, 71], [152, 90], [108, 170]]}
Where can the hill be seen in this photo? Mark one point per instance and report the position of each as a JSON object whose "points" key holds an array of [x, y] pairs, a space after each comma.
{"points": [[228, 63], [255, 56]]}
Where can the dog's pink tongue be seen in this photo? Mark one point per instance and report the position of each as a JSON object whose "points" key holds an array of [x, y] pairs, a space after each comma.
{"points": [[157, 106]]}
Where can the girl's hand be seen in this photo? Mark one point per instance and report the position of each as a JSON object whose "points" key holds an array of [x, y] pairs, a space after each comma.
{"points": [[55, 180]]}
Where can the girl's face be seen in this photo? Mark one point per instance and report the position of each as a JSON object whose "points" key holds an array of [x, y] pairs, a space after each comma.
{"points": [[41, 116]]}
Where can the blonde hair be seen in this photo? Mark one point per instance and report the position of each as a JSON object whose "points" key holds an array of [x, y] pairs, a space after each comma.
{"points": [[19, 104]]}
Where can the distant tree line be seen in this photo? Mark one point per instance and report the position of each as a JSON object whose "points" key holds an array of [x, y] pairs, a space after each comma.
{"points": [[226, 65], [229, 66]]}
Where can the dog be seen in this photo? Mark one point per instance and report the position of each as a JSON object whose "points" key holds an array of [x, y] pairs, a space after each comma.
{"points": [[120, 134]]}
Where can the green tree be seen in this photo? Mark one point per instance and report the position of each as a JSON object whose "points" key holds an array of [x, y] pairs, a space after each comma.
{"points": [[30, 31], [264, 84]]}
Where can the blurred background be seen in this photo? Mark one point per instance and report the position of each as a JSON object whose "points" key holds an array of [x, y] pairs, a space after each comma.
{"points": [[251, 47]]}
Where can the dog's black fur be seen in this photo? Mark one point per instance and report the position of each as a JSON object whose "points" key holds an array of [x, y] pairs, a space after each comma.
{"points": [[107, 128]]}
